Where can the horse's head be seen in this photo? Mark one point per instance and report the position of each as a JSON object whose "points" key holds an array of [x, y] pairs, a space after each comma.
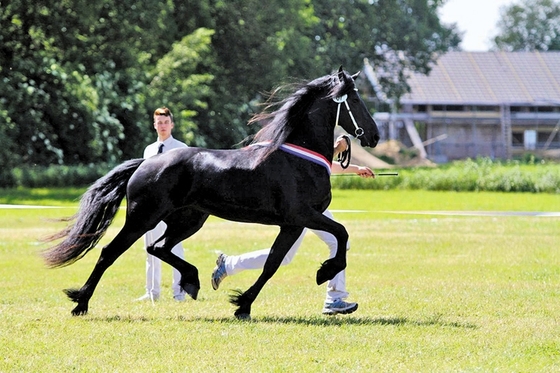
{"points": [[351, 112], [305, 118]]}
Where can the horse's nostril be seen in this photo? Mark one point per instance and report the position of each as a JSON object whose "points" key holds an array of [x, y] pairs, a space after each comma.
{"points": [[375, 140]]}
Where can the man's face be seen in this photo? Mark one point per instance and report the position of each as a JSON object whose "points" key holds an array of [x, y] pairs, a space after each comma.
{"points": [[163, 125]]}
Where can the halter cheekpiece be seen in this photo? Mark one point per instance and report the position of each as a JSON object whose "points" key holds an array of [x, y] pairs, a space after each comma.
{"points": [[339, 100]]}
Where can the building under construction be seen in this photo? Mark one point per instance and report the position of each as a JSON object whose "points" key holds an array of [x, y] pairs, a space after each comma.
{"points": [[494, 104]]}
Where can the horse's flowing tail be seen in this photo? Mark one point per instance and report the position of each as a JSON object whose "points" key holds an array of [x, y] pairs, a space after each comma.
{"points": [[98, 207]]}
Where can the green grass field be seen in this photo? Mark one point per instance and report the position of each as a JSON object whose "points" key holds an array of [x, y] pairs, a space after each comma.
{"points": [[436, 293]]}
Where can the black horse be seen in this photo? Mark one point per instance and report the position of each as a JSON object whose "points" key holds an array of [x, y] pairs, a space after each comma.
{"points": [[282, 179]]}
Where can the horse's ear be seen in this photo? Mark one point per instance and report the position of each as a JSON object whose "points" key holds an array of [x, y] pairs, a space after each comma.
{"points": [[341, 74], [355, 76]]}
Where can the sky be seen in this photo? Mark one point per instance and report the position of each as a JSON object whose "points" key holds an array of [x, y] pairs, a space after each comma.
{"points": [[476, 18]]}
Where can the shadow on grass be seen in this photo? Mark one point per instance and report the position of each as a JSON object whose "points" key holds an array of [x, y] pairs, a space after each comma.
{"points": [[349, 320], [326, 321]]}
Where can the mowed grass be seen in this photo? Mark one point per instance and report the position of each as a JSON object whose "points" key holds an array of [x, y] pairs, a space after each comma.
{"points": [[436, 294]]}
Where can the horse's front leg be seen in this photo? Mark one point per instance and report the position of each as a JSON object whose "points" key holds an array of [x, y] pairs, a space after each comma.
{"points": [[334, 265], [284, 241]]}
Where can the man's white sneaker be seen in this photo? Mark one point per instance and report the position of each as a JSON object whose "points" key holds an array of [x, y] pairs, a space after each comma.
{"points": [[219, 272], [339, 306], [148, 296]]}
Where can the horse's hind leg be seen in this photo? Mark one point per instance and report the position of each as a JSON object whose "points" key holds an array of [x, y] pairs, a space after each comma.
{"points": [[282, 244], [180, 225], [122, 242]]}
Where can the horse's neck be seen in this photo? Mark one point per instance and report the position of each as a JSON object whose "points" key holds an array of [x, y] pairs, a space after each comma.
{"points": [[317, 138], [314, 130]]}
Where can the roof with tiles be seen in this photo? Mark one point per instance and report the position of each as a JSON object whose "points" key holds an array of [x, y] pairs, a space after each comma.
{"points": [[489, 78]]}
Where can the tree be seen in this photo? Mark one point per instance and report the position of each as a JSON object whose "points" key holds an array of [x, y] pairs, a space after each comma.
{"points": [[80, 79], [34, 82], [528, 26], [69, 73], [254, 44], [177, 84]]}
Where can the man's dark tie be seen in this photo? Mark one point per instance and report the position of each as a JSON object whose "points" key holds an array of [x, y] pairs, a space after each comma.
{"points": [[160, 149]]}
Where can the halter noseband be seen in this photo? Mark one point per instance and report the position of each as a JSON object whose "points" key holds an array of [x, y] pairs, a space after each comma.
{"points": [[339, 100]]}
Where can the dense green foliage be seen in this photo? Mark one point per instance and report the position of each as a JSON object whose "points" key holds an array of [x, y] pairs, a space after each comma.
{"points": [[80, 79], [59, 175]]}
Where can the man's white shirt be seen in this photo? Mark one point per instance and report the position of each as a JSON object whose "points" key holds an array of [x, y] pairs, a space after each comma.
{"points": [[168, 144]]}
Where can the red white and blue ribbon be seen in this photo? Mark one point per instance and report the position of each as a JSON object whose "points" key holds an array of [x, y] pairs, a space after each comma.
{"points": [[304, 153], [307, 154]]}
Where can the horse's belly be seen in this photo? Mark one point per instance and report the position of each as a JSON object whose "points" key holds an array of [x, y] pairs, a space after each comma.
{"points": [[260, 203]]}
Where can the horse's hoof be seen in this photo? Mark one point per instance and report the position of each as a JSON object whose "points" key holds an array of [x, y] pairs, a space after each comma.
{"points": [[322, 277], [328, 270], [243, 316], [191, 290], [79, 311]]}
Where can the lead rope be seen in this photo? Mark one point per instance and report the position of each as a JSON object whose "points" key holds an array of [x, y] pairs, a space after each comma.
{"points": [[344, 156]]}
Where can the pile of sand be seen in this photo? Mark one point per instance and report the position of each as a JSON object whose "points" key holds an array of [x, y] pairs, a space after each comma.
{"points": [[394, 152], [553, 154], [362, 157], [388, 154]]}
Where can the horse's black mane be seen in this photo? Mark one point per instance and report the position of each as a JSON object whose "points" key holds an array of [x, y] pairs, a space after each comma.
{"points": [[279, 123]]}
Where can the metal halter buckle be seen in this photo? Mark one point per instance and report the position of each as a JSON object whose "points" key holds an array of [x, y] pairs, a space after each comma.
{"points": [[340, 99]]}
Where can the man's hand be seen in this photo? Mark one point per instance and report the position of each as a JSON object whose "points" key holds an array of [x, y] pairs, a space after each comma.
{"points": [[340, 145], [365, 172]]}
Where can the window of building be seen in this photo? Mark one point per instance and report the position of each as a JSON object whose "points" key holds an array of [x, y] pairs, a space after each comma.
{"points": [[485, 108], [530, 139], [455, 108], [516, 138]]}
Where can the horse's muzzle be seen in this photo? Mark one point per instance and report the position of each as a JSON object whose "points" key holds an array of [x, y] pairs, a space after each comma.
{"points": [[371, 142]]}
